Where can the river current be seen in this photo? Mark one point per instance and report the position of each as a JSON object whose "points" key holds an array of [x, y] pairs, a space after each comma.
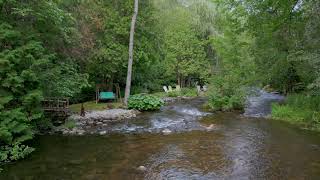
{"points": [[180, 142]]}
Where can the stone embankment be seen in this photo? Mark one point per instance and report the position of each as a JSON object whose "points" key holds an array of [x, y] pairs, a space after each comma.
{"points": [[95, 120]]}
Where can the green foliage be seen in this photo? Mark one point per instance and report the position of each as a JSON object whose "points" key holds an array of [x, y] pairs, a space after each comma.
{"points": [[304, 118], [20, 97], [51, 77], [268, 42], [285, 47], [189, 92], [14, 152], [69, 124], [235, 67], [186, 92], [304, 101], [174, 94], [144, 102], [314, 88], [299, 109], [225, 95], [160, 94], [93, 106], [33, 38], [185, 55]]}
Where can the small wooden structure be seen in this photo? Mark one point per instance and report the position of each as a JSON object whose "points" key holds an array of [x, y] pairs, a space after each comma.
{"points": [[56, 107]]}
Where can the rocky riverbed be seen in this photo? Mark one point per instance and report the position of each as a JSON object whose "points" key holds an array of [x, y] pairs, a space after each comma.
{"points": [[95, 120]]}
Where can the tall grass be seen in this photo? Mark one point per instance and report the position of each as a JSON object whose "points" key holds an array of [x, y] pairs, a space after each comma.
{"points": [[300, 109], [302, 101]]}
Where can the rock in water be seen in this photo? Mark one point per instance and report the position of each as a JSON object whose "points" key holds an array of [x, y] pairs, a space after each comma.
{"points": [[103, 132], [210, 128], [166, 131], [81, 132], [142, 168]]}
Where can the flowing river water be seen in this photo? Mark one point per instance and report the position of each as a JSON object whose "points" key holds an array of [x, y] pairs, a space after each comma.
{"points": [[180, 142]]}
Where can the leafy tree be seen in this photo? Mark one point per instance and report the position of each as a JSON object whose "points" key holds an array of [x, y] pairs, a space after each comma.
{"points": [[33, 35], [20, 95], [184, 52]]}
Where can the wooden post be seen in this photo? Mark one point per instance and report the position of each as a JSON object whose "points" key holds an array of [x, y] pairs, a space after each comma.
{"points": [[82, 113], [97, 95]]}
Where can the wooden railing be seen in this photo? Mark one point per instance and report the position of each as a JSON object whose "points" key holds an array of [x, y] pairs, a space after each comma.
{"points": [[57, 106]]}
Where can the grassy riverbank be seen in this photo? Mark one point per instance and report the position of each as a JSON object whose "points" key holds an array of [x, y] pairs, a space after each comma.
{"points": [[301, 110], [186, 92], [93, 106]]}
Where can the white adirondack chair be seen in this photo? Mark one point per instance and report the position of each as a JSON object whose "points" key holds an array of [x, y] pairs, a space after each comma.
{"points": [[165, 89], [198, 89], [205, 88]]}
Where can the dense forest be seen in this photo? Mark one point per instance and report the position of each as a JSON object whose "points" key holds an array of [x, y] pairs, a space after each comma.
{"points": [[63, 48]]}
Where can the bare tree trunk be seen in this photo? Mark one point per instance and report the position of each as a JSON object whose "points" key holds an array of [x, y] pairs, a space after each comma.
{"points": [[130, 61]]}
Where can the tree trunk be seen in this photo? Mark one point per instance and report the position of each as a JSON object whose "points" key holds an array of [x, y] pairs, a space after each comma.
{"points": [[130, 61]]}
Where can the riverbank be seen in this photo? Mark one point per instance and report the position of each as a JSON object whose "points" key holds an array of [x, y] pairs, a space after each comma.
{"points": [[93, 106], [93, 121], [178, 142], [300, 110], [100, 117]]}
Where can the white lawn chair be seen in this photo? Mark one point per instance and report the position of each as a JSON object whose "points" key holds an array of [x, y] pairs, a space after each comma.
{"points": [[170, 88], [165, 89], [198, 89], [205, 88]]}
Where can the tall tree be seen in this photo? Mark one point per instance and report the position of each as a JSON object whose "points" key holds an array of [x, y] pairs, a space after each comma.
{"points": [[130, 61]]}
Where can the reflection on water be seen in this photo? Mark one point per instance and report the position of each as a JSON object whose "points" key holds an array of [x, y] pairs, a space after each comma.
{"points": [[241, 148]]}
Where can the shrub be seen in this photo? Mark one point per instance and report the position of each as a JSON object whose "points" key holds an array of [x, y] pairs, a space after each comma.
{"points": [[144, 102], [189, 92], [70, 124], [218, 101], [15, 129], [174, 94], [14, 152], [160, 94], [225, 96]]}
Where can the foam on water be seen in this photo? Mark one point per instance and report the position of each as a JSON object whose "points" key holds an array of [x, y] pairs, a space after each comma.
{"points": [[259, 104], [181, 116]]}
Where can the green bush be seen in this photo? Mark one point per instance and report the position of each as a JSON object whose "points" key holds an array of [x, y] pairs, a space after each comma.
{"points": [[220, 102], [70, 124], [160, 94], [225, 96], [14, 152], [189, 92], [144, 102], [174, 94], [302, 110]]}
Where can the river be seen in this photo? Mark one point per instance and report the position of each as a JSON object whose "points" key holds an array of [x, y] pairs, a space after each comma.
{"points": [[236, 146]]}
